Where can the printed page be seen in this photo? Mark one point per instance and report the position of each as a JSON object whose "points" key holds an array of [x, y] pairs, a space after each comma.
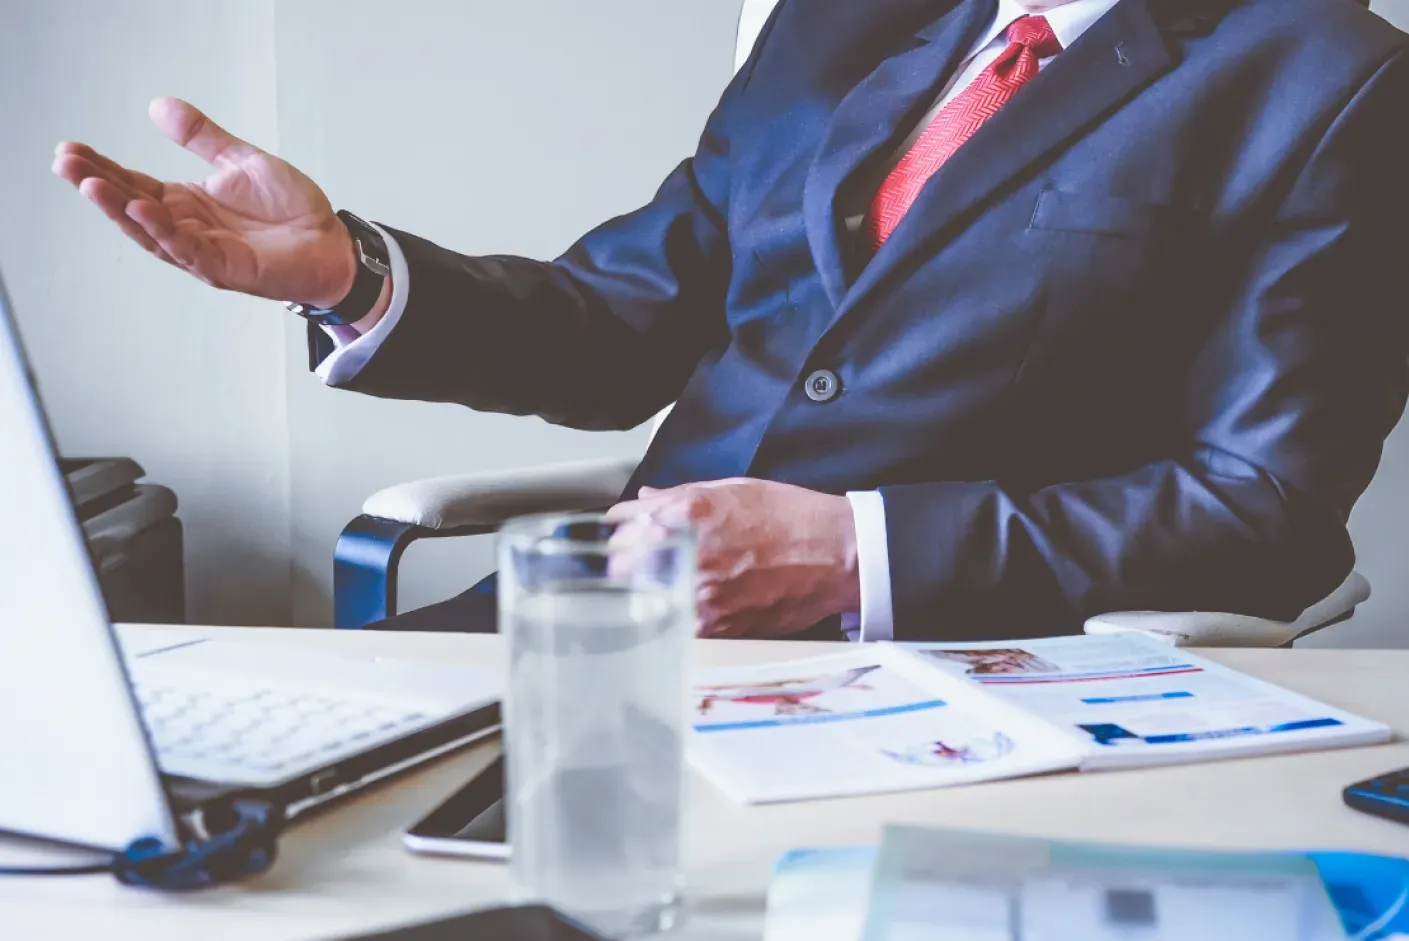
{"points": [[957, 886], [867, 721], [1135, 701]]}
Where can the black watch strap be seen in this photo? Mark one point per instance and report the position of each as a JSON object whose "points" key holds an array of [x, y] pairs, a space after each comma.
{"points": [[373, 266]]}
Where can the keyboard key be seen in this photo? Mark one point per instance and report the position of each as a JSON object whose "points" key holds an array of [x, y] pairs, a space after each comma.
{"points": [[206, 732]]}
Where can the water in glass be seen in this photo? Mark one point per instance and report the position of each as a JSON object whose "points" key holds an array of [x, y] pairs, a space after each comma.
{"points": [[595, 717]]}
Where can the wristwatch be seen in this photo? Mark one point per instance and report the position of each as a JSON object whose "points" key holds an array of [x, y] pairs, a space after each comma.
{"points": [[373, 266]]}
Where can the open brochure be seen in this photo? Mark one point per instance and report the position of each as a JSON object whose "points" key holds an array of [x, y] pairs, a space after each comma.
{"points": [[895, 717]]}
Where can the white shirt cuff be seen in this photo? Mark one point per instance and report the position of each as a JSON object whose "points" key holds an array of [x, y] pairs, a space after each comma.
{"points": [[877, 623], [347, 360]]}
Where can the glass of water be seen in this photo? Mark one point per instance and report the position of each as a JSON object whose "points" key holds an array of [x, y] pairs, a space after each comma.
{"points": [[597, 617]]}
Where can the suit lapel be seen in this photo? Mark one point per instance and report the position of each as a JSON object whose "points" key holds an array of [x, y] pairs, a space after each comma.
{"points": [[1114, 59], [876, 112]]}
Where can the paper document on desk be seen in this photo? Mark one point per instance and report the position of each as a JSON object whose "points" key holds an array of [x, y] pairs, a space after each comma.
{"points": [[894, 717], [1134, 701], [870, 720], [986, 887]]}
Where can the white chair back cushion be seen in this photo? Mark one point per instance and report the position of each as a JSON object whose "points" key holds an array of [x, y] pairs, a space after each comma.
{"points": [[751, 19]]}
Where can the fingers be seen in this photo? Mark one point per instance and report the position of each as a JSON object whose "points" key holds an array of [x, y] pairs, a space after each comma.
{"points": [[75, 162], [647, 498], [184, 248], [636, 540], [188, 127], [113, 202], [714, 606], [732, 629], [132, 201], [654, 513], [77, 172], [623, 511], [111, 188], [663, 508], [111, 199], [722, 624]]}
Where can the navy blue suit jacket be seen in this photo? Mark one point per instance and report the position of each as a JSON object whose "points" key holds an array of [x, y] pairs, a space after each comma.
{"points": [[1137, 345]]}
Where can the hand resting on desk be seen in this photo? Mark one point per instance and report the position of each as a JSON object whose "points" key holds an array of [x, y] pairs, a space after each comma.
{"points": [[774, 559]]}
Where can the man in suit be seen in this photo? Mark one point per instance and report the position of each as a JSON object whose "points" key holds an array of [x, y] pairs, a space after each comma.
{"points": [[981, 316]]}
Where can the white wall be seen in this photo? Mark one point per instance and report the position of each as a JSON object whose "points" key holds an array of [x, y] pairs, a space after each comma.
{"points": [[1396, 11], [135, 357]]}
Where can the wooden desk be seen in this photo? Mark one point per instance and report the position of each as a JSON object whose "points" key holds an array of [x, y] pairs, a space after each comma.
{"points": [[344, 870]]}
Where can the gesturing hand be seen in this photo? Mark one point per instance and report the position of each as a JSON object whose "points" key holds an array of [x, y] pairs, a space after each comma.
{"points": [[774, 559], [256, 225]]}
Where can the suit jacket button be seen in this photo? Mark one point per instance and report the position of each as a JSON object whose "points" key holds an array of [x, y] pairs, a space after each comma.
{"points": [[822, 385]]}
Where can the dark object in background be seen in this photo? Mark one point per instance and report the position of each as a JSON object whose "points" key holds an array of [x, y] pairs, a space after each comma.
{"points": [[521, 923], [135, 538]]}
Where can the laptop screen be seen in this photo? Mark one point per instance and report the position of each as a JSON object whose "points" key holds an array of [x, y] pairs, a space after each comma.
{"points": [[46, 575], [77, 763]]}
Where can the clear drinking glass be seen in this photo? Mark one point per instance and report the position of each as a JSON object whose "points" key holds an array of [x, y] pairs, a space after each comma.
{"points": [[597, 618]]}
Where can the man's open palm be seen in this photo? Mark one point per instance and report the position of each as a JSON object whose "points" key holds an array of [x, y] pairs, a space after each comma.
{"points": [[256, 225]]}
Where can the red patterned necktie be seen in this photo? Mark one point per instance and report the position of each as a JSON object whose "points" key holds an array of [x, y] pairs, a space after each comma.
{"points": [[1030, 39]]}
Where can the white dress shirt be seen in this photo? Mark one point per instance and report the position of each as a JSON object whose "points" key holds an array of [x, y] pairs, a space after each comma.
{"points": [[875, 621]]}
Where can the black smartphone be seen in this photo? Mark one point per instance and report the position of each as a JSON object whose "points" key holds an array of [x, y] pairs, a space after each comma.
{"points": [[1386, 796], [527, 923], [470, 823]]}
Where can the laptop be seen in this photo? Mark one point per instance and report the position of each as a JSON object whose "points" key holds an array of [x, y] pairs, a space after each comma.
{"points": [[108, 735]]}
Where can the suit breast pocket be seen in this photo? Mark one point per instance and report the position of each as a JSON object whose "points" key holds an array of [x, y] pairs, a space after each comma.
{"points": [[1123, 284], [1102, 214]]}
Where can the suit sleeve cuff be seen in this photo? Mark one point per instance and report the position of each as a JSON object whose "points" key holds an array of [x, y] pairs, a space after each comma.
{"points": [[873, 560], [351, 354]]}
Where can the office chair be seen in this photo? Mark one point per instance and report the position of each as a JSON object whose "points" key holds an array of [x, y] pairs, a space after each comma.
{"points": [[369, 551]]}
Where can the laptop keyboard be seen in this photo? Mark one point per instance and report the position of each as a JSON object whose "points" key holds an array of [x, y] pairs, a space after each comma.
{"points": [[254, 734]]}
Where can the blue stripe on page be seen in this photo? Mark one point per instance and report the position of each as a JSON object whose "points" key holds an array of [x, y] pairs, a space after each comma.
{"points": [[1149, 697], [819, 720], [1246, 730]]}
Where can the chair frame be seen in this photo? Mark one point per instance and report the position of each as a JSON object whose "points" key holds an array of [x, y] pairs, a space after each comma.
{"points": [[367, 564]]}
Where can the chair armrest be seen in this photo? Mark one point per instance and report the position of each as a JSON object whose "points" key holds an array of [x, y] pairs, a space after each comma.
{"points": [[1211, 629], [368, 553], [489, 499]]}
